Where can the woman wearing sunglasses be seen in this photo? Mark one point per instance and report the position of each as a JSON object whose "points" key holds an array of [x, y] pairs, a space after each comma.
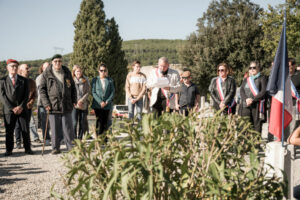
{"points": [[103, 92], [253, 90], [222, 90]]}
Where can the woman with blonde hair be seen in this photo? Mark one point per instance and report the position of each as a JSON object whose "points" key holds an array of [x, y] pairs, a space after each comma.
{"points": [[222, 90], [253, 91], [80, 111]]}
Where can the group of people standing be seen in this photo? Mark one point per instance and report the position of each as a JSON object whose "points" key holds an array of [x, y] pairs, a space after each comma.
{"points": [[63, 97], [62, 102], [253, 99]]}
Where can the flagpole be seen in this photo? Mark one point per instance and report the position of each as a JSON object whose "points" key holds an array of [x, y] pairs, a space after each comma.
{"points": [[283, 62]]}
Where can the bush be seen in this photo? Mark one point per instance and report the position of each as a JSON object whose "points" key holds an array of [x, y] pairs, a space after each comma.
{"points": [[174, 157]]}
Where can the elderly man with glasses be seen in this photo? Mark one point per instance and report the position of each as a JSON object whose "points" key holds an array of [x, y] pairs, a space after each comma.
{"points": [[58, 96]]}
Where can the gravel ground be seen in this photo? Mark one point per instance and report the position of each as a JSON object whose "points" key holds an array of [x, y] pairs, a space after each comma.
{"points": [[31, 177]]}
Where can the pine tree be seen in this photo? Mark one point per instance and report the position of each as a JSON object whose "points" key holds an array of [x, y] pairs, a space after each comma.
{"points": [[97, 41], [229, 32]]}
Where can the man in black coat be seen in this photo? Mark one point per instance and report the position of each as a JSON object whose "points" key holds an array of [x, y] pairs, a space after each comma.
{"points": [[58, 96], [14, 97]]}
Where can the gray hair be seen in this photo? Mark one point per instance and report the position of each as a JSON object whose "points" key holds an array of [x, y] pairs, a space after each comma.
{"points": [[163, 59]]}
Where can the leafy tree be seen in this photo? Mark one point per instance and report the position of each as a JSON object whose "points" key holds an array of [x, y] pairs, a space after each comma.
{"points": [[229, 31], [96, 41], [272, 25]]}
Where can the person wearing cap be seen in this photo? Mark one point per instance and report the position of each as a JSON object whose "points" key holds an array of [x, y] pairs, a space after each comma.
{"points": [[189, 96], [222, 90], [14, 97], [58, 96], [163, 97]]}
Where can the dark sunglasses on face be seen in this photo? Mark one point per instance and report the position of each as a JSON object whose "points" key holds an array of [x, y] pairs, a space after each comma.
{"points": [[252, 68], [185, 77], [102, 70], [221, 70]]}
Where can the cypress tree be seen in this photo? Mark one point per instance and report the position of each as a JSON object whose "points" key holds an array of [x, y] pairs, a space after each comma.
{"points": [[97, 41]]}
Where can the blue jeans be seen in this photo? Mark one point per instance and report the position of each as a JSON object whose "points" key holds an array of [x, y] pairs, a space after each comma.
{"points": [[43, 117], [139, 108], [80, 117]]}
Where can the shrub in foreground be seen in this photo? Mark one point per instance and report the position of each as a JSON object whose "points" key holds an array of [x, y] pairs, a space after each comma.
{"points": [[173, 157]]}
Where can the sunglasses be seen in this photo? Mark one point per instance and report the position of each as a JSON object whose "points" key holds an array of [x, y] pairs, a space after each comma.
{"points": [[252, 68], [57, 61], [102, 70], [221, 70], [185, 77]]}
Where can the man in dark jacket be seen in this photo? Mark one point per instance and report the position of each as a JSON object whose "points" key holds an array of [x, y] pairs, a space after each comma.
{"points": [[14, 97], [58, 96]]}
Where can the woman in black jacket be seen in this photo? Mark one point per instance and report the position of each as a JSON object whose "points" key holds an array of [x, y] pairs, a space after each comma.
{"points": [[253, 90], [222, 90]]}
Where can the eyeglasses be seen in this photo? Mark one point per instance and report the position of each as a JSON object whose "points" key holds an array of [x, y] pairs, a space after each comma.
{"points": [[102, 70], [185, 77], [57, 61], [221, 70], [252, 68]]}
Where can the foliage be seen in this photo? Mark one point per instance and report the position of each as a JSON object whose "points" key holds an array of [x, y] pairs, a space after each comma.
{"points": [[272, 21], [172, 157], [97, 41], [229, 31], [149, 51]]}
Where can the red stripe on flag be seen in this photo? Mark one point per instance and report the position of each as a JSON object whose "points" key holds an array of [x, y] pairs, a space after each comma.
{"points": [[275, 125]]}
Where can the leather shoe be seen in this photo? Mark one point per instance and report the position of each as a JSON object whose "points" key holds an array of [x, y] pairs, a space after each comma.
{"points": [[8, 153], [30, 152]]}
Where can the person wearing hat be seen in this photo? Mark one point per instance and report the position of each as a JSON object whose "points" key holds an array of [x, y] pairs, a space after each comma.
{"points": [[14, 97], [58, 97], [189, 96]]}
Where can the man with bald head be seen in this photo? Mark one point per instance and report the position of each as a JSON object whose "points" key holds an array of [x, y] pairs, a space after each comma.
{"points": [[14, 97], [163, 96], [24, 71]]}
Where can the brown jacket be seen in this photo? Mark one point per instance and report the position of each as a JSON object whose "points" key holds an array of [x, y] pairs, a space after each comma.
{"points": [[32, 93]]}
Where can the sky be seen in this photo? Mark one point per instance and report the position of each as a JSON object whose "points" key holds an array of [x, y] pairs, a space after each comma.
{"points": [[31, 29]]}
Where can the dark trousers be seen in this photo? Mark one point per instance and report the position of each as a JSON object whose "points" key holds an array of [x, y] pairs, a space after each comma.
{"points": [[10, 121], [184, 110], [101, 120], [79, 117], [18, 129], [253, 114], [61, 127], [43, 119]]}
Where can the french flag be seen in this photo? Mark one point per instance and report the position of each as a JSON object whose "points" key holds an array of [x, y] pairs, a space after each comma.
{"points": [[279, 86]]}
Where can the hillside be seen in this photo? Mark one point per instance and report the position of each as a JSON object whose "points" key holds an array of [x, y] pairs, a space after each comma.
{"points": [[147, 51]]}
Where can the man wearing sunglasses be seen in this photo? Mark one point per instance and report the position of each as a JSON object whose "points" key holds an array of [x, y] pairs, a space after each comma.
{"points": [[58, 96], [189, 96]]}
